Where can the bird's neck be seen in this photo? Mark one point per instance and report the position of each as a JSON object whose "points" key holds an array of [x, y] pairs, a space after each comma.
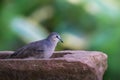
{"points": [[53, 43]]}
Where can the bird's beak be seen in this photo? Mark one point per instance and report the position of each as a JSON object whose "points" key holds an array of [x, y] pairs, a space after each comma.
{"points": [[60, 40]]}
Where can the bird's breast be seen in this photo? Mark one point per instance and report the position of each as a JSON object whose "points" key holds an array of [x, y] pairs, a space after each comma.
{"points": [[49, 51]]}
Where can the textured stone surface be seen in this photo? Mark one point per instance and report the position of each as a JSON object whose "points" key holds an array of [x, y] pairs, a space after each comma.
{"points": [[64, 65]]}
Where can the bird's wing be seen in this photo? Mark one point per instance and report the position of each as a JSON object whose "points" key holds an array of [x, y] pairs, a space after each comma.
{"points": [[32, 49]]}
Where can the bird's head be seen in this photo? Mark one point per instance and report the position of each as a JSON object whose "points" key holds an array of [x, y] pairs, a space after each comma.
{"points": [[55, 37]]}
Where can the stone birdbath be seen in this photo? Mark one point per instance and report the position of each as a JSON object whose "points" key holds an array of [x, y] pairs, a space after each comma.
{"points": [[63, 65]]}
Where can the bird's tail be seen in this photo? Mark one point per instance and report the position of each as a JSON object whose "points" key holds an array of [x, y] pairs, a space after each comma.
{"points": [[10, 56]]}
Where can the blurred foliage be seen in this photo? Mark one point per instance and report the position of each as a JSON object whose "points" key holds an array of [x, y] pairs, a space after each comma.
{"points": [[83, 24]]}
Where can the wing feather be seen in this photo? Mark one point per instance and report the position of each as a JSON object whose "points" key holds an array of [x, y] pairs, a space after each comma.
{"points": [[32, 49]]}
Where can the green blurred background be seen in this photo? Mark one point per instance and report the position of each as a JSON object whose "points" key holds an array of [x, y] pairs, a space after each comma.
{"points": [[83, 25]]}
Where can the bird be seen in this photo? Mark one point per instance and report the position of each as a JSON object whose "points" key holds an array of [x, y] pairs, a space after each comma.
{"points": [[39, 49]]}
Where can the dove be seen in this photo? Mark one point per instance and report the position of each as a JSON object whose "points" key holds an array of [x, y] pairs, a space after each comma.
{"points": [[39, 49]]}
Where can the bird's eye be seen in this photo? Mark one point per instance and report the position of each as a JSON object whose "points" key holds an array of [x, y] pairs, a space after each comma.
{"points": [[56, 36]]}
